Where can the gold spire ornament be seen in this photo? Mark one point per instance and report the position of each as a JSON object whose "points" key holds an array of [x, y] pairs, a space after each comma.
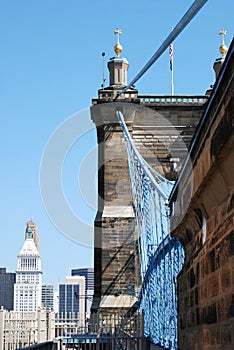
{"points": [[118, 48], [223, 48]]}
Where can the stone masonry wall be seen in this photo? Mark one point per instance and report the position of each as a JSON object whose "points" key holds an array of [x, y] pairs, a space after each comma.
{"points": [[205, 286], [206, 228], [115, 257], [115, 253], [163, 134]]}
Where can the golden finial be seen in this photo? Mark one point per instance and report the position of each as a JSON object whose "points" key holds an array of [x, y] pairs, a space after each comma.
{"points": [[223, 48], [118, 48]]}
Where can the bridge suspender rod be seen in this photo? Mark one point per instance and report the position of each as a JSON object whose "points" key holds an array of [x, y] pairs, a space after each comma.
{"points": [[192, 11]]}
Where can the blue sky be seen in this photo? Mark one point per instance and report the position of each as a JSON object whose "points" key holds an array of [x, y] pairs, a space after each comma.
{"points": [[51, 67]]}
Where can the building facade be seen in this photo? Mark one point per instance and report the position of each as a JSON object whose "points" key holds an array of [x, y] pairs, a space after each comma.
{"points": [[88, 273], [19, 329], [7, 281], [47, 297], [71, 316], [28, 286], [206, 282]]}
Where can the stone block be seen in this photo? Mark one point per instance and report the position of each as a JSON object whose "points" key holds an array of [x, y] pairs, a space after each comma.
{"points": [[225, 279], [227, 335]]}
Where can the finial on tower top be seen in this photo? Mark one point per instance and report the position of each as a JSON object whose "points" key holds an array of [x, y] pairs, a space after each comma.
{"points": [[223, 48], [118, 48]]}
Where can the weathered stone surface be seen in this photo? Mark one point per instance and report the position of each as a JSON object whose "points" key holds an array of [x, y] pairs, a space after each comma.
{"points": [[206, 283]]}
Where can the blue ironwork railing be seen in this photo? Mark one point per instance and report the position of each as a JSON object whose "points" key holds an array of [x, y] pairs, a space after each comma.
{"points": [[161, 256]]}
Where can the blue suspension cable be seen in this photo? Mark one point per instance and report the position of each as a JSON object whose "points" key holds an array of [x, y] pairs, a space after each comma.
{"points": [[161, 256]]}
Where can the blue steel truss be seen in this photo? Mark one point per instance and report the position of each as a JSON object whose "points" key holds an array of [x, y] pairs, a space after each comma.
{"points": [[161, 256]]}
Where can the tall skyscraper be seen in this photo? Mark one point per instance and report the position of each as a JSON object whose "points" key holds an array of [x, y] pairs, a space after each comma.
{"points": [[7, 281], [28, 286]]}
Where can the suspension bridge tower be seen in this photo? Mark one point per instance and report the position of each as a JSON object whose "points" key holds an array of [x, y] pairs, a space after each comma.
{"points": [[161, 128], [115, 257]]}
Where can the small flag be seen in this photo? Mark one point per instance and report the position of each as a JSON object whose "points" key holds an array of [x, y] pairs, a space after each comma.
{"points": [[171, 55]]}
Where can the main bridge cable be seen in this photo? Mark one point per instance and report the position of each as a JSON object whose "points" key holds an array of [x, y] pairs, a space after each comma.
{"points": [[192, 11]]}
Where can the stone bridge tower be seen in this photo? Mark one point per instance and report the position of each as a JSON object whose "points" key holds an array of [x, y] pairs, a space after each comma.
{"points": [[115, 252], [162, 128]]}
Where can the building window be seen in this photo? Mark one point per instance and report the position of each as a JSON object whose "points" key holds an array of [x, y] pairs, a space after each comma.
{"points": [[203, 230], [118, 74]]}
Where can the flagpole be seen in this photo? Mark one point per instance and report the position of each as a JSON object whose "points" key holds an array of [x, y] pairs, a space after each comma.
{"points": [[172, 76], [192, 11], [171, 54]]}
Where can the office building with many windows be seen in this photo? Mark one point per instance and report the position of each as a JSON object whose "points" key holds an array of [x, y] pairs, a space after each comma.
{"points": [[48, 297], [72, 301], [88, 273], [7, 281]]}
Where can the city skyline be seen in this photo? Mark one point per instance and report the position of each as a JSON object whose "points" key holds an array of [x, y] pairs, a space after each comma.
{"points": [[51, 67]]}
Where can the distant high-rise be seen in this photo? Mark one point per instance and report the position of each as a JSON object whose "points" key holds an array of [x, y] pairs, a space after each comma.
{"points": [[48, 297], [72, 300], [7, 281], [28, 286], [88, 273]]}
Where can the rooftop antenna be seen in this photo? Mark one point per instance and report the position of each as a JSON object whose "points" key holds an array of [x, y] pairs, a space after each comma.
{"points": [[103, 70], [30, 216]]}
